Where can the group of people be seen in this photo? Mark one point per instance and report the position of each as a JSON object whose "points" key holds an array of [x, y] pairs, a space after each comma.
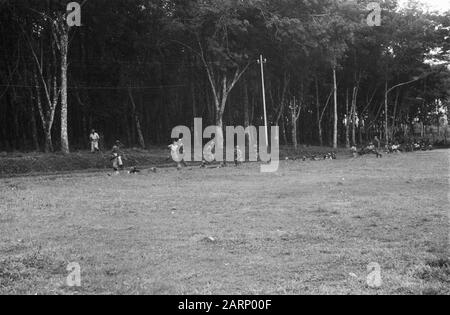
{"points": [[370, 149], [392, 147], [176, 154], [117, 155], [177, 151], [417, 145]]}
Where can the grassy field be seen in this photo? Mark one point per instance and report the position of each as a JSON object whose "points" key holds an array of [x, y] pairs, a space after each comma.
{"points": [[311, 228]]}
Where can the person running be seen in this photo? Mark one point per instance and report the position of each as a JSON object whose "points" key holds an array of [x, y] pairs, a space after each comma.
{"points": [[117, 157], [378, 142], [94, 139], [371, 149]]}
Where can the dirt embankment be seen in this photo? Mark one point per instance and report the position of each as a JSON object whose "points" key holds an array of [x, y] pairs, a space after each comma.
{"points": [[15, 164], [39, 163]]}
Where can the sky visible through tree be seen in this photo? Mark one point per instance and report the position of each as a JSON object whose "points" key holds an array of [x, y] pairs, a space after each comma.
{"points": [[440, 5], [133, 72]]}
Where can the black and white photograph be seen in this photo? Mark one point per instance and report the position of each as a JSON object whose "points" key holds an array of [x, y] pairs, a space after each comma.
{"points": [[224, 155]]}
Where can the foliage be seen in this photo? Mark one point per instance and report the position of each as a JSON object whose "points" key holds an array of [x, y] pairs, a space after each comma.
{"points": [[197, 58]]}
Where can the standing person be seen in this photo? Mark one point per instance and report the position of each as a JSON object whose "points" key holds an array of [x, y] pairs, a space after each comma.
{"points": [[371, 149], [94, 138], [117, 157]]}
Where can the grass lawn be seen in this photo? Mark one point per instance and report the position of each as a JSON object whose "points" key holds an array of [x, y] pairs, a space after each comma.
{"points": [[311, 228]]}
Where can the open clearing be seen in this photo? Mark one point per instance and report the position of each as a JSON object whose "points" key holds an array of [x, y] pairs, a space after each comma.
{"points": [[311, 228]]}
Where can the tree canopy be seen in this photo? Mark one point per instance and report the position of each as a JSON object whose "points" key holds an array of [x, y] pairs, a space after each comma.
{"points": [[137, 68]]}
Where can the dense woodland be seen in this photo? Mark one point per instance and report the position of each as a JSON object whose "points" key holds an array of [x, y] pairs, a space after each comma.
{"points": [[137, 68]]}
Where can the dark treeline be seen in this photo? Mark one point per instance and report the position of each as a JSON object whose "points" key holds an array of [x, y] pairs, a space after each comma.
{"points": [[137, 68]]}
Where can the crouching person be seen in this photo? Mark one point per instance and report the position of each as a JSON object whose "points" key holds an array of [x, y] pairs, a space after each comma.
{"points": [[177, 152], [395, 148], [209, 154]]}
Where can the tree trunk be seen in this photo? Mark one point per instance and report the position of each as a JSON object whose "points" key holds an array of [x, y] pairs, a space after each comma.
{"points": [[360, 134], [15, 119], [347, 123], [64, 46], [295, 115], [294, 130], [220, 92], [50, 87], [219, 136], [34, 133], [246, 104], [128, 132], [139, 130], [84, 124], [48, 140], [354, 114], [247, 111], [46, 117], [319, 114], [136, 120], [394, 123], [386, 114], [194, 100], [283, 131], [320, 133], [445, 135], [335, 128]]}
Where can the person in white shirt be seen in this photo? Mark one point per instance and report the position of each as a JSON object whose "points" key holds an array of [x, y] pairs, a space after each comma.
{"points": [[177, 153], [117, 157], [94, 138]]}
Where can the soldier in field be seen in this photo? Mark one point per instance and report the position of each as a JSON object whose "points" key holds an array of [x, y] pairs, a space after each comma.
{"points": [[94, 138], [117, 157], [176, 152], [371, 149], [209, 154]]}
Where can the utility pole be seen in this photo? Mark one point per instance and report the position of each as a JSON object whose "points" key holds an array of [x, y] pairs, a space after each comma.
{"points": [[261, 62]]}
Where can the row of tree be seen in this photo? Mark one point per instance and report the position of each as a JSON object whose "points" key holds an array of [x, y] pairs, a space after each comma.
{"points": [[137, 68]]}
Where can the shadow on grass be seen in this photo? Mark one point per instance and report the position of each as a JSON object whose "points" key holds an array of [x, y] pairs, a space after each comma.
{"points": [[436, 276]]}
